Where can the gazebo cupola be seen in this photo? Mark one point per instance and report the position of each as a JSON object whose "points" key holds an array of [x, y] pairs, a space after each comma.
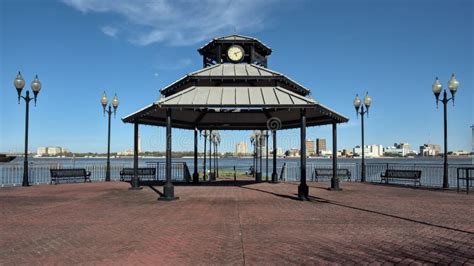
{"points": [[235, 49]]}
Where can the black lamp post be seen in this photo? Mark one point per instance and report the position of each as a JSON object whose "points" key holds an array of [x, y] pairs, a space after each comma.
{"points": [[266, 152], [453, 85], [19, 84], [360, 110], [115, 103]]}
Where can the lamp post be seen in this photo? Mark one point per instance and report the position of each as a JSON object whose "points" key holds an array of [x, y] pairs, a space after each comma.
{"points": [[19, 84], [453, 85], [266, 152], [362, 111], [115, 103]]}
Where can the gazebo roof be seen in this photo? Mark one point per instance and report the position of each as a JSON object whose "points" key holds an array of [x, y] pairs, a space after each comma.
{"points": [[230, 95], [235, 108], [234, 73]]}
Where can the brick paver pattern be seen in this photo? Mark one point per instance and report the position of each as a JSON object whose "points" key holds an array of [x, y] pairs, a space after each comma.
{"points": [[105, 223]]}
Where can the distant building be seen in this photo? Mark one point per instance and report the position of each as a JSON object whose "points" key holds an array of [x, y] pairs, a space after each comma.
{"points": [[398, 149], [128, 152], [293, 152], [50, 151], [320, 146], [460, 153], [310, 147], [241, 149], [280, 152], [42, 151], [430, 150], [139, 143], [373, 150]]}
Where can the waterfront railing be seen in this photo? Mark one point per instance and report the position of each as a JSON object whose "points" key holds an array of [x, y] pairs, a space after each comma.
{"points": [[431, 174], [11, 174]]}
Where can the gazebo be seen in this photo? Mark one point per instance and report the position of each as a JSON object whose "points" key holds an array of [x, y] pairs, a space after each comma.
{"points": [[235, 91]]}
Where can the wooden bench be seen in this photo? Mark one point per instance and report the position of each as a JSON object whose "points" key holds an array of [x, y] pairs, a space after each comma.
{"points": [[327, 172], [143, 173], [391, 174], [69, 175]]}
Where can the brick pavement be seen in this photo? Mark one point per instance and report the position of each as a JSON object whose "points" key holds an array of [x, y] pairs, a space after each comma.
{"points": [[105, 223]]}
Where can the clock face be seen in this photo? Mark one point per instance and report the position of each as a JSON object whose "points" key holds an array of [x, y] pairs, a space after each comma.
{"points": [[235, 53]]}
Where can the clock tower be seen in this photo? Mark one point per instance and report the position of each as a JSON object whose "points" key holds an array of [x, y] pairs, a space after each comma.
{"points": [[235, 49]]}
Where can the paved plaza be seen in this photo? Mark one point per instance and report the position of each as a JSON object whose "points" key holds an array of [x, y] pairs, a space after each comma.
{"points": [[105, 223]]}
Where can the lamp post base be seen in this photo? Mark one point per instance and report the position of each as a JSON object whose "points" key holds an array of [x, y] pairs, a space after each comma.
{"points": [[303, 192], [334, 185], [195, 178], [258, 177], [168, 193], [274, 178]]}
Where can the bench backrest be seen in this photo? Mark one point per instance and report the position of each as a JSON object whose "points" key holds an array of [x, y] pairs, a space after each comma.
{"points": [[403, 173], [328, 172], [68, 172], [141, 171]]}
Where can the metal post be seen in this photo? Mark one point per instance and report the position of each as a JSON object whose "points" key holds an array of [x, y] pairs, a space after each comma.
{"points": [[26, 182], [362, 171], [303, 190], [266, 147], [274, 173], [210, 155], [445, 164], [135, 181], [107, 171], [195, 174], [335, 178], [204, 153], [255, 159], [217, 160], [168, 188], [261, 155], [258, 162]]}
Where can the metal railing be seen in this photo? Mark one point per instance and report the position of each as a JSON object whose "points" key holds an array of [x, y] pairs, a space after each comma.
{"points": [[179, 171], [431, 174], [11, 175]]}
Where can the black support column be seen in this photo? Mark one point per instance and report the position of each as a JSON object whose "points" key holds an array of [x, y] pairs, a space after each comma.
{"points": [[303, 190], [335, 178], [135, 180], [274, 173], [168, 188], [195, 174]]}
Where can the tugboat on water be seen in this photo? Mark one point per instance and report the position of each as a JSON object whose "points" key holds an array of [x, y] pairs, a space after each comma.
{"points": [[6, 159]]}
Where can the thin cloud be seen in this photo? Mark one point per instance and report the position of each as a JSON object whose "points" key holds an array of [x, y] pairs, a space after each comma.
{"points": [[109, 31], [179, 22]]}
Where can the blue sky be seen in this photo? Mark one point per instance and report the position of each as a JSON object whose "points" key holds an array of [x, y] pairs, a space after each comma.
{"points": [[79, 48]]}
